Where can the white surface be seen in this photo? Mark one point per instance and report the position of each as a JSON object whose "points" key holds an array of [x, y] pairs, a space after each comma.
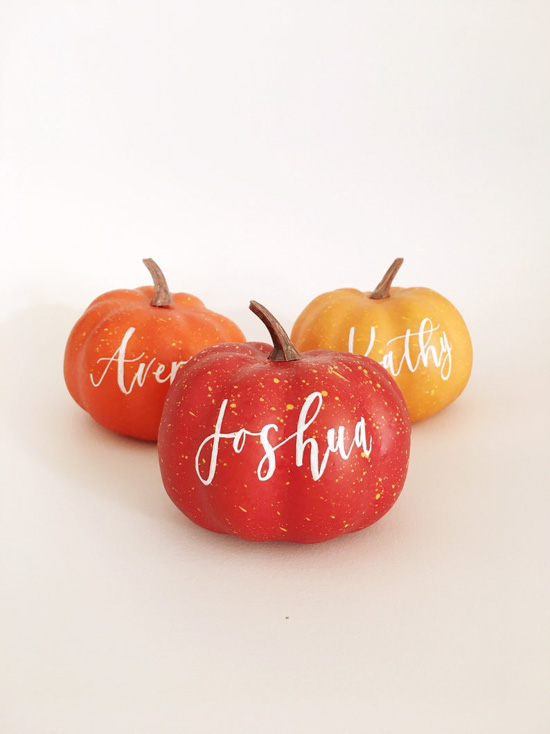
{"points": [[275, 150]]}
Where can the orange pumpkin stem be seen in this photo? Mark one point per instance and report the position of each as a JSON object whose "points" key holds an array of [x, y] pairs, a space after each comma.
{"points": [[283, 349], [382, 290], [162, 297]]}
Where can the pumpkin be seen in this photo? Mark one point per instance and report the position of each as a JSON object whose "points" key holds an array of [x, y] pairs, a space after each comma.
{"points": [[415, 333], [126, 349], [266, 443]]}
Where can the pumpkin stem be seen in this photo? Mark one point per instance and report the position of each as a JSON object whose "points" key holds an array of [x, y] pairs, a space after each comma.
{"points": [[283, 349], [382, 290], [162, 297]]}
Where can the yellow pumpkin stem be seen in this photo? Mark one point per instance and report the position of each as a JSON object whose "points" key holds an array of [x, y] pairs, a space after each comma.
{"points": [[162, 297], [283, 349], [382, 290]]}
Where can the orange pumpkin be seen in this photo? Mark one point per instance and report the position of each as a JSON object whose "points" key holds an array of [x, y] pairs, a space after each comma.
{"points": [[125, 350], [415, 333]]}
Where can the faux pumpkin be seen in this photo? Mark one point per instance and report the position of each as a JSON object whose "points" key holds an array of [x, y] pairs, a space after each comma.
{"points": [[126, 349], [415, 333], [265, 443]]}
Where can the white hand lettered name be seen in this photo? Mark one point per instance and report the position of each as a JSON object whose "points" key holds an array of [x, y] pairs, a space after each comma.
{"points": [[118, 359], [336, 443], [440, 355]]}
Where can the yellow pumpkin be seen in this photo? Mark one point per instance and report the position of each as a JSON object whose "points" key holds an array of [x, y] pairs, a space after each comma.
{"points": [[415, 333]]}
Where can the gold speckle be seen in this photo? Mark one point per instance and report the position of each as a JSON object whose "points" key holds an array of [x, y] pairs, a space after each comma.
{"points": [[276, 379], [289, 406], [332, 371], [242, 508]]}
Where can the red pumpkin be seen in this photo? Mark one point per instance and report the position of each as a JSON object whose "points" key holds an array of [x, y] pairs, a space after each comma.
{"points": [[126, 349], [268, 444]]}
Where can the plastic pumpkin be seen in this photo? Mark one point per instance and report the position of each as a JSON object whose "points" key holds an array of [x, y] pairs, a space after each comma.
{"points": [[415, 333], [266, 443], [126, 349]]}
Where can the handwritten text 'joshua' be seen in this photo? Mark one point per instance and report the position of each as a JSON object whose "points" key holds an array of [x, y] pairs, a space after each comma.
{"points": [[335, 438]]}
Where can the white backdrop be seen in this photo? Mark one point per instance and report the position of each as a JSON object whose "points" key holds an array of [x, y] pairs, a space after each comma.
{"points": [[275, 150]]}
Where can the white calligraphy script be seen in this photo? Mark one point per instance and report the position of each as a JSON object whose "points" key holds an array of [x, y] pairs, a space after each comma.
{"points": [[438, 353], [119, 361], [336, 443]]}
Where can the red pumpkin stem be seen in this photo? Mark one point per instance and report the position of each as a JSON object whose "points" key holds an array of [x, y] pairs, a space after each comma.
{"points": [[162, 297], [283, 349], [382, 290]]}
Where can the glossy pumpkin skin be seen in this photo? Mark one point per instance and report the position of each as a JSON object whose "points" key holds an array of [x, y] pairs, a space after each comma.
{"points": [[123, 353], [217, 470], [415, 333]]}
